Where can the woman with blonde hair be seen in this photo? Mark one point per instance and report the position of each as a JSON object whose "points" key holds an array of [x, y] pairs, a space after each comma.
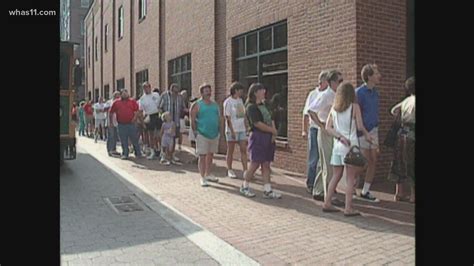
{"points": [[343, 122]]}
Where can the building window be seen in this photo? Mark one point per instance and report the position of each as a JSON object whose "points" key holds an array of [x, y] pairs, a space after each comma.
{"points": [[180, 72], [95, 49], [89, 56], [106, 36], [141, 10], [106, 92], [120, 23], [85, 3], [89, 94], [120, 84], [140, 77], [262, 56]]}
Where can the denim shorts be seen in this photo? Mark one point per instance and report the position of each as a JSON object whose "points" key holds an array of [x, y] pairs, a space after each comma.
{"points": [[337, 160], [240, 136]]}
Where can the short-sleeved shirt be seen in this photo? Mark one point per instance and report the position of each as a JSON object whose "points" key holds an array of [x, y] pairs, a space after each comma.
{"points": [[108, 105], [368, 100], [322, 104], [234, 108], [125, 110], [88, 109], [99, 112], [310, 99], [258, 113], [149, 103]]}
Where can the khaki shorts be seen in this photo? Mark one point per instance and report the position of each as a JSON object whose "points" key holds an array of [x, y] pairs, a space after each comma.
{"points": [[364, 144], [205, 145]]}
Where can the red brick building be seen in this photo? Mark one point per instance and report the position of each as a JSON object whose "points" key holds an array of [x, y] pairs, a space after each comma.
{"points": [[284, 44]]}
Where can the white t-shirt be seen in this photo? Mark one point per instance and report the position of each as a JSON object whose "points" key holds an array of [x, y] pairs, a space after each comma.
{"points": [[99, 107], [342, 124], [236, 110], [311, 97], [408, 110], [108, 104], [149, 103], [322, 104]]}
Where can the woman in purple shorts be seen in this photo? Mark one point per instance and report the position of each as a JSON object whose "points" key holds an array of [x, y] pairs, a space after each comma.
{"points": [[261, 146]]}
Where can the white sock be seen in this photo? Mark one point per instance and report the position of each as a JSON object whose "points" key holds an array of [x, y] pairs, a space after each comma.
{"points": [[246, 184], [366, 188], [267, 187]]}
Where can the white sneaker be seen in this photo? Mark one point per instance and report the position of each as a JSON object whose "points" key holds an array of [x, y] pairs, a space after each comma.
{"points": [[152, 155], [176, 162], [176, 159], [271, 195], [246, 192], [212, 178], [165, 162], [204, 182], [231, 174]]}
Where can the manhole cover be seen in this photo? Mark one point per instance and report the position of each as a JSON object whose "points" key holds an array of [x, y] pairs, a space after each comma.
{"points": [[121, 200], [124, 204], [133, 207]]}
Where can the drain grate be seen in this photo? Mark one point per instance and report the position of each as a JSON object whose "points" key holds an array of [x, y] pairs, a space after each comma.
{"points": [[124, 204], [121, 200]]}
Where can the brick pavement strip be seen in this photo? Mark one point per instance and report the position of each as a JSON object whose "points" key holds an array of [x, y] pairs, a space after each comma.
{"points": [[284, 229]]}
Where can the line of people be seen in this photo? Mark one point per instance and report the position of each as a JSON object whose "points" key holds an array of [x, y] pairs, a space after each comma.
{"points": [[335, 117]]}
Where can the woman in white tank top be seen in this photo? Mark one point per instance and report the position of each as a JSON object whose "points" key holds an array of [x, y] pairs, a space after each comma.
{"points": [[343, 122]]}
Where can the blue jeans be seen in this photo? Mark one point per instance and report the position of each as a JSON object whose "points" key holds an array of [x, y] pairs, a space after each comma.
{"points": [[127, 131], [112, 139], [313, 156]]}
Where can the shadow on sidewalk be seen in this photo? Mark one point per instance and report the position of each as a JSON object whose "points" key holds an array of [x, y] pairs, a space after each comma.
{"points": [[397, 216], [386, 215], [375, 218]]}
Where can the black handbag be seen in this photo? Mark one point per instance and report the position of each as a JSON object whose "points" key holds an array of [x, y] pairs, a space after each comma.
{"points": [[354, 156], [392, 134]]}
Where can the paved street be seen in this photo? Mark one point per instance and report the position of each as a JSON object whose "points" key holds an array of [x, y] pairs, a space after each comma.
{"points": [[290, 231], [92, 233]]}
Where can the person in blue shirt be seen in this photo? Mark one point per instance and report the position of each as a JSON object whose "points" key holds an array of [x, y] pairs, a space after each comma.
{"points": [[368, 99]]}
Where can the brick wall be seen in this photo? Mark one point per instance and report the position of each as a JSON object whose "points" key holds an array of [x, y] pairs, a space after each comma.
{"points": [[107, 16], [146, 42], [88, 57], [341, 34], [189, 28], [381, 39], [97, 63], [122, 46], [321, 35]]}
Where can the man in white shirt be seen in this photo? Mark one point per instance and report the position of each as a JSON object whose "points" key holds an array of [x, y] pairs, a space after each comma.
{"points": [[112, 125], [313, 153], [99, 114], [319, 111], [148, 103]]}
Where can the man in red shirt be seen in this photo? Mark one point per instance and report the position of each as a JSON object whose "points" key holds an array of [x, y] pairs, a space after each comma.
{"points": [[89, 117], [126, 110]]}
